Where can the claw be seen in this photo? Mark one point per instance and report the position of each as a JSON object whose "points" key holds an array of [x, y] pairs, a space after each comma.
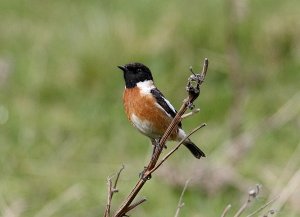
{"points": [[142, 175]]}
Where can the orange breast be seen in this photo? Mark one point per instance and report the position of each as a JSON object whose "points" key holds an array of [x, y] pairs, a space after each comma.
{"points": [[143, 106]]}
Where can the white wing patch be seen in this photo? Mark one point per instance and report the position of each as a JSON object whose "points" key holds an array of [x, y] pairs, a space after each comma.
{"points": [[169, 104]]}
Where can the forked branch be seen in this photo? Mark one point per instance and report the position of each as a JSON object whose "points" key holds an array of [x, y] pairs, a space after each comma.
{"points": [[111, 189], [252, 194]]}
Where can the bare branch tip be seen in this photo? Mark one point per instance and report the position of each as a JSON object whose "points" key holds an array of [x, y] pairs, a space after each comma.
{"points": [[227, 208], [205, 67], [123, 167], [192, 71], [136, 204], [199, 127], [206, 62], [194, 111]]}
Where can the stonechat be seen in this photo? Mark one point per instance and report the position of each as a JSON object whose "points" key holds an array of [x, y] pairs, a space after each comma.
{"points": [[147, 108]]}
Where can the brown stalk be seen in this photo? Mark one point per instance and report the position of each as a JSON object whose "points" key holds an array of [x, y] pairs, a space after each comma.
{"points": [[111, 189], [180, 203]]}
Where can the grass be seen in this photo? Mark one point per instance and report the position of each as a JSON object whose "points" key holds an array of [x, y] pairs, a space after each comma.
{"points": [[62, 125]]}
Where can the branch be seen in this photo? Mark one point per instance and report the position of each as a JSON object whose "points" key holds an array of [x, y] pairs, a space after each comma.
{"points": [[109, 197], [263, 207], [194, 111], [193, 89], [118, 176], [180, 203], [111, 189], [228, 207], [136, 204], [253, 193]]}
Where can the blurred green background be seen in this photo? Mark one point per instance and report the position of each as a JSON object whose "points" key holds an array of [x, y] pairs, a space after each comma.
{"points": [[63, 130]]}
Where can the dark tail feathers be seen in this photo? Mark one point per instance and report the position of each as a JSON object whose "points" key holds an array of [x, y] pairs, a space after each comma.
{"points": [[194, 149]]}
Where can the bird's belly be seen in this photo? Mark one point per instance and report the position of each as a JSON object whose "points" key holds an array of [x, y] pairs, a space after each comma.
{"points": [[144, 126]]}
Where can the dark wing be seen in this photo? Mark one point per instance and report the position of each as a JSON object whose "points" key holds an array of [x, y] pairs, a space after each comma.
{"points": [[164, 103]]}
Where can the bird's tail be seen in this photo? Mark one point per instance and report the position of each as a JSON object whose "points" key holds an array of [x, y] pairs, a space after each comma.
{"points": [[194, 149]]}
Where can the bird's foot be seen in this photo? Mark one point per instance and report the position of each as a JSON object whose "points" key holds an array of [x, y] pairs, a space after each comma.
{"points": [[143, 176], [158, 143], [155, 143]]}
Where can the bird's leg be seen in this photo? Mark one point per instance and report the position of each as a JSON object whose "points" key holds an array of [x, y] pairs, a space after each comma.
{"points": [[155, 144]]}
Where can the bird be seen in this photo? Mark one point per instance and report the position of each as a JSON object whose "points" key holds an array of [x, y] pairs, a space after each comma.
{"points": [[147, 108]]}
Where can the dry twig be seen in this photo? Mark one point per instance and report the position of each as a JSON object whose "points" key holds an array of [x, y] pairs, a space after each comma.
{"points": [[252, 194], [226, 210], [263, 207], [180, 203], [132, 206], [111, 189], [194, 111]]}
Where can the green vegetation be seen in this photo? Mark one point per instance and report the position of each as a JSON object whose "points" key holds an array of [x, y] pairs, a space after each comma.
{"points": [[62, 125]]}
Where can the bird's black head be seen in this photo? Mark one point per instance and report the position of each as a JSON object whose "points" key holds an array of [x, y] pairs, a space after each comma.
{"points": [[134, 73]]}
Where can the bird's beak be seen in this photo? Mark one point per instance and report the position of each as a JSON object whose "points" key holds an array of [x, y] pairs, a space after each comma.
{"points": [[122, 68]]}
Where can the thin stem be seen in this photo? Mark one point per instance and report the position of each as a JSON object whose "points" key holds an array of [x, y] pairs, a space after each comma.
{"points": [[136, 204], [242, 209], [228, 207], [263, 207], [109, 197], [180, 203], [194, 111], [251, 195], [118, 175], [111, 189]]}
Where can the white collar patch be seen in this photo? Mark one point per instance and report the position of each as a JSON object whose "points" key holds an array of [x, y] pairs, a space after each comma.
{"points": [[145, 86]]}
